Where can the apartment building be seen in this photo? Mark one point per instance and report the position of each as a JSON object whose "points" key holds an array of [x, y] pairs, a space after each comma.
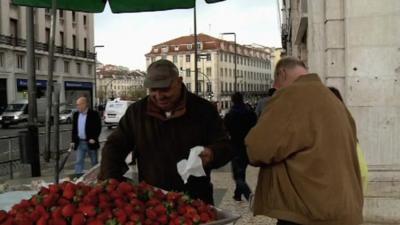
{"points": [[216, 66], [74, 57]]}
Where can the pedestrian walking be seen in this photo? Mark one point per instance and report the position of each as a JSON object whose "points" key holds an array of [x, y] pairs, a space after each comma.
{"points": [[305, 145], [262, 103], [86, 129], [238, 121], [161, 129]]}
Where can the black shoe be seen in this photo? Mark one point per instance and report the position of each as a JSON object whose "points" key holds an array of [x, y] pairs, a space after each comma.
{"points": [[237, 198]]}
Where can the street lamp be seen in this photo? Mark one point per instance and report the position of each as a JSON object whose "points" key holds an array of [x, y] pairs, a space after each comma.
{"points": [[95, 72], [235, 75], [208, 79]]}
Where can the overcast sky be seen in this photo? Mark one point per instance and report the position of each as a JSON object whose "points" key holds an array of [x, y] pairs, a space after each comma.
{"points": [[128, 37]]}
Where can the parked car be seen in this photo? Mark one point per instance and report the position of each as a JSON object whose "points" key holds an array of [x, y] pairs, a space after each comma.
{"points": [[66, 115], [15, 113], [115, 109]]}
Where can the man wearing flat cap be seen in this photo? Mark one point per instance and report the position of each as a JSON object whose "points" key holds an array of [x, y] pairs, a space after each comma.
{"points": [[161, 129]]}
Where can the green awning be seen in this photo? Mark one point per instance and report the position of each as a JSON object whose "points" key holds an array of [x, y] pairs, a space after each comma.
{"points": [[117, 6]]}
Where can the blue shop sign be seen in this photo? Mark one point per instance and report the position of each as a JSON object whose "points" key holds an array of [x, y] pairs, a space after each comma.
{"points": [[24, 83], [79, 85]]}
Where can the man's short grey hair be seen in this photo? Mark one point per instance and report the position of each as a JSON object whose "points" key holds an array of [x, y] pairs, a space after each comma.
{"points": [[288, 62]]}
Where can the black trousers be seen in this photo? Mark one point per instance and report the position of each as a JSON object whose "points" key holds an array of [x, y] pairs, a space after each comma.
{"points": [[284, 222], [239, 166]]}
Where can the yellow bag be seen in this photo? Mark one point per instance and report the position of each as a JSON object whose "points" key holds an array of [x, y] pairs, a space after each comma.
{"points": [[363, 167]]}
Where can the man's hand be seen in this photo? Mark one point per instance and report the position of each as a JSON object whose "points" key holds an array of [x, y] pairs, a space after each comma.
{"points": [[91, 141], [207, 156]]}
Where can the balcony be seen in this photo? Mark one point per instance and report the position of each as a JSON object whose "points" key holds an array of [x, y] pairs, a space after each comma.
{"points": [[18, 42]]}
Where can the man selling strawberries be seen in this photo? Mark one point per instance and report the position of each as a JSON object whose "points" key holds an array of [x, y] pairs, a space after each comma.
{"points": [[161, 129]]}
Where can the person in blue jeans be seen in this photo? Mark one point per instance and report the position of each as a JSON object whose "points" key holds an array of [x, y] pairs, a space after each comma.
{"points": [[86, 129]]}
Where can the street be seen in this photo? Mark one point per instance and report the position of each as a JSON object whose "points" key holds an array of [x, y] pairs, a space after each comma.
{"points": [[9, 144]]}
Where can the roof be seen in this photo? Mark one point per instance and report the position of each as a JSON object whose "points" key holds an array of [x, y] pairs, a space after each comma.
{"points": [[185, 44]]}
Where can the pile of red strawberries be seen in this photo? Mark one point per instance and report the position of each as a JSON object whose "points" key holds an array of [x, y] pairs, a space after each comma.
{"points": [[107, 203]]}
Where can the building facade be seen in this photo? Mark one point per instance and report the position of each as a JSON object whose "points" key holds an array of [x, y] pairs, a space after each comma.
{"points": [[216, 66], [354, 45], [74, 58], [118, 82]]}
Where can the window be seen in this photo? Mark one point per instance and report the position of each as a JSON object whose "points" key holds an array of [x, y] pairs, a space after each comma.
{"points": [[90, 69], [221, 57], [152, 59], [66, 67], [187, 72], [230, 86], [208, 57], [208, 71], [164, 57], [47, 35], [187, 58], [14, 28], [85, 44], [230, 72], [78, 68], [189, 86], [1, 59], [175, 59], [222, 72], [164, 49], [189, 46], [229, 58], [74, 42], [222, 86], [199, 45], [209, 89], [20, 62], [84, 20], [73, 17], [226, 59], [38, 63], [61, 39], [61, 12]]}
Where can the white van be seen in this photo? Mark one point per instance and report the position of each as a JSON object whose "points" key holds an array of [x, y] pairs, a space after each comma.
{"points": [[114, 111]]}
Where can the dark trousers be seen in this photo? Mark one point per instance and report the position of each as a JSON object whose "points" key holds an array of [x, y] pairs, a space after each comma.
{"points": [[239, 165], [284, 222]]}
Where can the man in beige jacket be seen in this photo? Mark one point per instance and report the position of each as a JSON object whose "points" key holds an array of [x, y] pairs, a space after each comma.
{"points": [[305, 146]]}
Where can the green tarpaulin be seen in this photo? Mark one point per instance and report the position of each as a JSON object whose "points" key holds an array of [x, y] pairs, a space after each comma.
{"points": [[117, 6]]}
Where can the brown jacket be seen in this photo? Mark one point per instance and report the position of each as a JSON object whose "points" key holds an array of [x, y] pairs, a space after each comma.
{"points": [[305, 143], [160, 143]]}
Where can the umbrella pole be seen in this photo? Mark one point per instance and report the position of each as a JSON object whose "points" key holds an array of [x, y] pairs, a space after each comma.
{"points": [[47, 154], [196, 71]]}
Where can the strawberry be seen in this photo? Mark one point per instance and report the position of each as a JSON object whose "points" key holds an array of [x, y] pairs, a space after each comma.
{"points": [[151, 214], [63, 202], [56, 212], [37, 199], [96, 222], [49, 200], [163, 219], [124, 187], [88, 210], [78, 219], [59, 221], [105, 215], [3, 215], [69, 191], [120, 215], [160, 209], [128, 209], [68, 210], [204, 217], [42, 221], [54, 188]]}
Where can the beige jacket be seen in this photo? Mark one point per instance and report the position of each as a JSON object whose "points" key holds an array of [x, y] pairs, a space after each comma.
{"points": [[305, 143]]}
